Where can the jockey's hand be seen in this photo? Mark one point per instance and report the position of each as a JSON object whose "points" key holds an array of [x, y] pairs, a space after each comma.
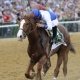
{"points": [[39, 25]]}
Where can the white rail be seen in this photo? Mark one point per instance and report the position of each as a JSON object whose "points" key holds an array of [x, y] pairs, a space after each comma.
{"points": [[9, 25], [64, 22], [68, 22]]}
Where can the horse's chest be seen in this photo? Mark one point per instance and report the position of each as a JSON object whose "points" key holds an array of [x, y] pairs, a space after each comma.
{"points": [[34, 48], [34, 51]]}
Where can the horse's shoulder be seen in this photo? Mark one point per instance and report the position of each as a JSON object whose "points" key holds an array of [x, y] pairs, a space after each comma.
{"points": [[42, 31]]}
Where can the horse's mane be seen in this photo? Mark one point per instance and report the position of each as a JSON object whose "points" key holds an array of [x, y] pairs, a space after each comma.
{"points": [[30, 17]]}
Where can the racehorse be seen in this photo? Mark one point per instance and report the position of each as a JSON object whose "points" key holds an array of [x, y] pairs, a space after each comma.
{"points": [[39, 47]]}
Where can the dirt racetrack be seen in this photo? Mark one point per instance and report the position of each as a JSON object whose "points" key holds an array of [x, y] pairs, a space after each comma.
{"points": [[14, 60]]}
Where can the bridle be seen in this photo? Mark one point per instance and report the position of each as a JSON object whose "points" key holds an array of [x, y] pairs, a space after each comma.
{"points": [[25, 33], [32, 29]]}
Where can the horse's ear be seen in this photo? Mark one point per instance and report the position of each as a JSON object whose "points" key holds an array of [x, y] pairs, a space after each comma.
{"points": [[35, 18], [32, 15], [29, 15], [24, 17]]}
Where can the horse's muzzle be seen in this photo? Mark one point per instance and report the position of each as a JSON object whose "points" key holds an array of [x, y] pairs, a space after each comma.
{"points": [[21, 35], [20, 38]]}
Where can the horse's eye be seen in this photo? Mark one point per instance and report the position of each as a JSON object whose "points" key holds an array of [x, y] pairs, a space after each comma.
{"points": [[26, 23]]}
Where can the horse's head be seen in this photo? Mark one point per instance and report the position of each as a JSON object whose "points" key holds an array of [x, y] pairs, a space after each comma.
{"points": [[27, 25]]}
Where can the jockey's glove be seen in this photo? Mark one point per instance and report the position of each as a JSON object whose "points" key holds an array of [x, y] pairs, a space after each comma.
{"points": [[42, 25]]}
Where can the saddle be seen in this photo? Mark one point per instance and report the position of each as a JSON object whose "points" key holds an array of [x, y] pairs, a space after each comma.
{"points": [[59, 37]]}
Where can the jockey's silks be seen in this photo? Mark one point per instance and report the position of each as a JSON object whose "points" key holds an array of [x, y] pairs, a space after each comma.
{"points": [[38, 15], [53, 15]]}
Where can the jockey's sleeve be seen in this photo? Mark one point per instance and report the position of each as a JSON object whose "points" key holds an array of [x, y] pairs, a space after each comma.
{"points": [[47, 18]]}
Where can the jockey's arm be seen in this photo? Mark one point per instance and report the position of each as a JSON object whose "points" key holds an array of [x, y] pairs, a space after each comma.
{"points": [[41, 24], [48, 21], [47, 18]]}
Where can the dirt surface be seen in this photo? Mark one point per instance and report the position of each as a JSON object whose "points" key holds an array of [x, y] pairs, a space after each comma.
{"points": [[14, 60]]}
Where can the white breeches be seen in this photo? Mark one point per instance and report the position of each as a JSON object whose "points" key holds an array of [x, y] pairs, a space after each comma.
{"points": [[47, 18], [55, 22]]}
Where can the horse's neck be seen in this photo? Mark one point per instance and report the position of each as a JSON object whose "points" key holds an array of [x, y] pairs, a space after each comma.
{"points": [[33, 37]]}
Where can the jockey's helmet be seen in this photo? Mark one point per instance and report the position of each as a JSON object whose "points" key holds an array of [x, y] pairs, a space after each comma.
{"points": [[36, 13]]}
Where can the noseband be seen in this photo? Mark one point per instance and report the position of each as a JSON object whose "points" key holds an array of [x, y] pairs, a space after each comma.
{"points": [[30, 28]]}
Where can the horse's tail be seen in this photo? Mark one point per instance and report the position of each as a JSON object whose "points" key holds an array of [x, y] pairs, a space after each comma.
{"points": [[72, 49]]}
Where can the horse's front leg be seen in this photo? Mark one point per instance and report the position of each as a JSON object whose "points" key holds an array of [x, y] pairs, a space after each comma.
{"points": [[30, 68], [38, 74], [39, 67]]}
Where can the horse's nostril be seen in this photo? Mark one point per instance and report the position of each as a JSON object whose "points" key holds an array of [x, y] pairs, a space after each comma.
{"points": [[20, 36]]}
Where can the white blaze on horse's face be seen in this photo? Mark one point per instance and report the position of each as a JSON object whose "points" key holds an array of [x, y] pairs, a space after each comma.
{"points": [[20, 35], [22, 23]]}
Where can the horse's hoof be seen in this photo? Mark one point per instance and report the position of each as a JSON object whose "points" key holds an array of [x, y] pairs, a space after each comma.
{"points": [[33, 74], [28, 76], [54, 78]]}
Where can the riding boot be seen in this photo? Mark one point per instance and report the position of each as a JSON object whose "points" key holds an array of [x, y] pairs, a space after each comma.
{"points": [[54, 30], [53, 34]]}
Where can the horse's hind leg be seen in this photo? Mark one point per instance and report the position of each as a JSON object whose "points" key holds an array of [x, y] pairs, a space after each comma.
{"points": [[65, 60], [30, 68], [59, 62]]}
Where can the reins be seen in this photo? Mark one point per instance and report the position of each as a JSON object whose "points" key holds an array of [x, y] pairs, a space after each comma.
{"points": [[28, 32]]}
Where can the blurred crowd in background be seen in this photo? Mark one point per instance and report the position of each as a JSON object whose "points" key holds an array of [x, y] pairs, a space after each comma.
{"points": [[13, 10]]}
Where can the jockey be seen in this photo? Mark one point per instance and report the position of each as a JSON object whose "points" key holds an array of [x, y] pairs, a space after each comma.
{"points": [[50, 19]]}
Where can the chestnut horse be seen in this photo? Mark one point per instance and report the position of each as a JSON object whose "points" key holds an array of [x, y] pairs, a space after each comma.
{"points": [[39, 47]]}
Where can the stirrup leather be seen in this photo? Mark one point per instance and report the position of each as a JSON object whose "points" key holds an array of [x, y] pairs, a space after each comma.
{"points": [[49, 32]]}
